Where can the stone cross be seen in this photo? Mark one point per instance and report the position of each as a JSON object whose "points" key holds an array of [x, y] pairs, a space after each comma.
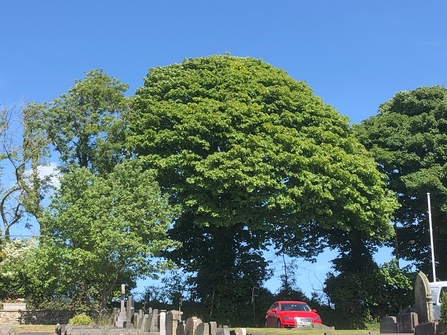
{"points": [[122, 316]]}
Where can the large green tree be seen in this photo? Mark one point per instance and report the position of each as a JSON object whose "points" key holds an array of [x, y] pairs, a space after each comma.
{"points": [[245, 149], [408, 138], [106, 231]]}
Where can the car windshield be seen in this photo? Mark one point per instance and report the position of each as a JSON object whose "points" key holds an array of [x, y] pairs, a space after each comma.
{"points": [[295, 307]]}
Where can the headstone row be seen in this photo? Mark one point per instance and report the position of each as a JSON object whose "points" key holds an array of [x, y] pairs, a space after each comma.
{"points": [[171, 323], [165, 323]]}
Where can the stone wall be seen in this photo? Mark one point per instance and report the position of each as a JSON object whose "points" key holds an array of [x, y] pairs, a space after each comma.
{"points": [[44, 317]]}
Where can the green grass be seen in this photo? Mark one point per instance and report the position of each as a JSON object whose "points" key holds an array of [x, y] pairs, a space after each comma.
{"points": [[266, 331], [282, 331]]}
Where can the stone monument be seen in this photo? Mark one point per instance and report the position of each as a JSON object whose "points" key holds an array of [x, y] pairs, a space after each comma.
{"points": [[121, 321], [423, 299]]}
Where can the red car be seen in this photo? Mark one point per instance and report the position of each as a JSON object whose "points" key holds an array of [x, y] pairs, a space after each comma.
{"points": [[291, 314]]}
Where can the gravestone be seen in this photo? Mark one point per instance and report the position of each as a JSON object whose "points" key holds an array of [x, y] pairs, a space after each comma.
{"points": [[238, 331], [191, 325], [180, 328], [423, 299], [223, 331], [407, 322], [172, 319], [213, 327], [153, 317], [388, 325], [428, 328], [203, 329], [162, 322], [146, 323], [129, 309], [122, 316], [140, 319]]}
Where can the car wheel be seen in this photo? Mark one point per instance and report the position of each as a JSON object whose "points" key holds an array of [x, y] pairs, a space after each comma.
{"points": [[278, 324]]}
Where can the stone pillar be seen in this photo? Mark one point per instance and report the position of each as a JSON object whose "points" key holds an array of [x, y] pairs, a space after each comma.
{"points": [[129, 309]]}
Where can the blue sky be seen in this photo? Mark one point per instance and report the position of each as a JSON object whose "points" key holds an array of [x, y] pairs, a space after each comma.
{"points": [[354, 54]]}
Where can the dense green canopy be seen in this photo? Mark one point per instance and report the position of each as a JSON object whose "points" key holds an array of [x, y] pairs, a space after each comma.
{"points": [[408, 138], [253, 157], [107, 230], [238, 141]]}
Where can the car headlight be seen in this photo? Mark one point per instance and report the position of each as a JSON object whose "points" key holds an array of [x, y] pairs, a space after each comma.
{"points": [[287, 318]]}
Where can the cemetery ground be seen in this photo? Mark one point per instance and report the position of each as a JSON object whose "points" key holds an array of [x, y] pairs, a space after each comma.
{"points": [[374, 329]]}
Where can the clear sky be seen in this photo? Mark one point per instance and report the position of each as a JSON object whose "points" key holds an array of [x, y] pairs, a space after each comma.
{"points": [[354, 54]]}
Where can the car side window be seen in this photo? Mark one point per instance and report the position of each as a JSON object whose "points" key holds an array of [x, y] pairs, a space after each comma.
{"points": [[274, 305]]}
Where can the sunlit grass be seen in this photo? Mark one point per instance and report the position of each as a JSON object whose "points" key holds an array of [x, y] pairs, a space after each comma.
{"points": [[283, 331], [266, 331]]}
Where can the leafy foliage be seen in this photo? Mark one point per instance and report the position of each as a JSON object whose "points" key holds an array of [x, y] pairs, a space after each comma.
{"points": [[80, 320], [23, 157], [84, 125], [13, 269], [368, 294], [105, 229], [253, 157], [408, 138], [444, 307]]}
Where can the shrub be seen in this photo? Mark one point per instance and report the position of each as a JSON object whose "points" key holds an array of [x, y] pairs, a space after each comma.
{"points": [[444, 307], [80, 320]]}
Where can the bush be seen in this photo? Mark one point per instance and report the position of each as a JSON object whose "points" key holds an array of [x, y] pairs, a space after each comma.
{"points": [[80, 320], [444, 307]]}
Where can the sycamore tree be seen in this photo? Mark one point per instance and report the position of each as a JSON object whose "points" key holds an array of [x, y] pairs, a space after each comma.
{"points": [[408, 138], [105, 231], [253, 157]]}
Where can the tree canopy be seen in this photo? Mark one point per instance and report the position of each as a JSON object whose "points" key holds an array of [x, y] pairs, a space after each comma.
{"points": [[84, 125], [408, 138], [105, 229], [245, 149]]}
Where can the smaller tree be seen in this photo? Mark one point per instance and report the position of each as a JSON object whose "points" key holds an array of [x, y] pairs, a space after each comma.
{"points": [[106, 230], [13, 268], [444, 307], [368, 294], [21, 161]]}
